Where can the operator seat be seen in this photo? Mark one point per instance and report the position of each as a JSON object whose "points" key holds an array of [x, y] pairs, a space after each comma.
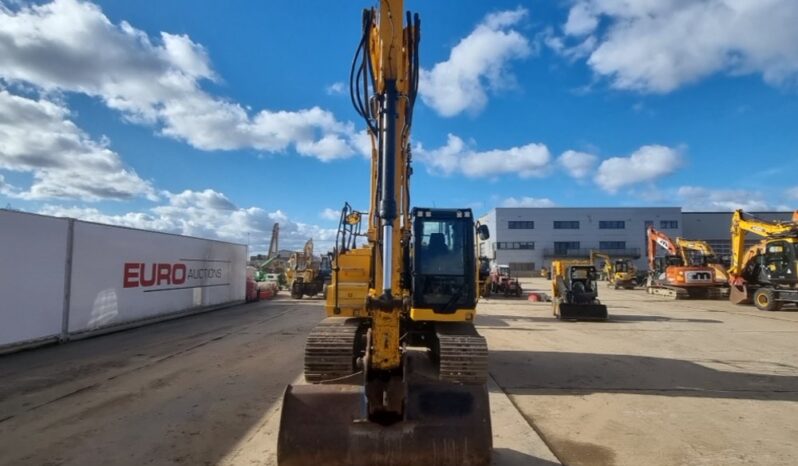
{"points": [[437, 244]]}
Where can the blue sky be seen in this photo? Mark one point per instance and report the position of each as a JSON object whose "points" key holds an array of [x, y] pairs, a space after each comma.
{"points": [[204, 119]]}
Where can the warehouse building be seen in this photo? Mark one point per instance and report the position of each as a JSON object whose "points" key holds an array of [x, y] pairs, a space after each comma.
{"points": [[528, 238]]}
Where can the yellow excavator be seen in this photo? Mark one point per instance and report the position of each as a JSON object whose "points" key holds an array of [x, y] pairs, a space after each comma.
{"points": [[699, 252], [767, 272], [396, 372], [620, 273], [307, 276]]}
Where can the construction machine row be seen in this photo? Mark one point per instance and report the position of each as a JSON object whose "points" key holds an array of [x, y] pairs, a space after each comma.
{"points": [[396, 373]]}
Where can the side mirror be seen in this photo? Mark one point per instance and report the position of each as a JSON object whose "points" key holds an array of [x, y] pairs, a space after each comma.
{"points": [[483, 232]]}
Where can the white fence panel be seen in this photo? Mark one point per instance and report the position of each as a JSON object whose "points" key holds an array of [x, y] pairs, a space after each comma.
{"points": [[121, 275], [33, 251]]}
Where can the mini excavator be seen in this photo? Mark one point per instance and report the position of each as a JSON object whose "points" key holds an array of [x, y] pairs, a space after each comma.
{"points": [[396, 372], [620, 273]]}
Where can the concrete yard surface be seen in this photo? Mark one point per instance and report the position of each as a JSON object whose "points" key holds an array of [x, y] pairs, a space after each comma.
{"points": [[661, 383]]}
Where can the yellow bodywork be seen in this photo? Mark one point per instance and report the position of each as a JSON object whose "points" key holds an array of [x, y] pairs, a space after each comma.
{"points": [[613, 275], [768, 230], [357, 273], [350, 283], [558, 270], [460, 315], [704, 249]]}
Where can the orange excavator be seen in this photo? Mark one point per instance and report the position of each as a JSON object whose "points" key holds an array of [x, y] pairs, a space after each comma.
{"points": [[670, 276]]}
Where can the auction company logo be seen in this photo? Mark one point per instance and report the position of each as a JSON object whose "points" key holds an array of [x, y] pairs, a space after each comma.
{"points": [[140, 274]]}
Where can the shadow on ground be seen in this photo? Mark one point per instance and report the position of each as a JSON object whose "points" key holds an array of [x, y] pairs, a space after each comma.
{"points": [[556, 373], [498, 320], [509, 457]]}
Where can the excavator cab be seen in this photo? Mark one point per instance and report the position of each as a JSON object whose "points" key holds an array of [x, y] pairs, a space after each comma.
{"points": [[443, 263], [777, 266]]}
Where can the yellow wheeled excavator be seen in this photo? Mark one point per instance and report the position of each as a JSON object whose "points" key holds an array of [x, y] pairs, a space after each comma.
{"points": [[767, 272], [396, 372]]}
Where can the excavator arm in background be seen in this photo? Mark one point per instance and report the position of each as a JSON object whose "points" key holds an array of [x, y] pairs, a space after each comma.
{"points": [[743, 224], [608, 265], [657, 238], [274, 242], [767, 272]]}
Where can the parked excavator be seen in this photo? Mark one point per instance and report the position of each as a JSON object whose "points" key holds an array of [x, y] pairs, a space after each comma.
{"points": [[699, 252], [397, 371], [306, 275], [767, 272], [670, 276], [620, 273], [574, 291]]}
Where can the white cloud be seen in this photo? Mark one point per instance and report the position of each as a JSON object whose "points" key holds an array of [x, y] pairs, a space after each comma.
{"points": [[457, 158], [578, 164], [660, 45], [581, 20], [330, 214], [792, 193], [336, 88], [527, 202], [646, 164], [37, 136], [477, 64], [71, 46], [209, 214], [702, 199]]}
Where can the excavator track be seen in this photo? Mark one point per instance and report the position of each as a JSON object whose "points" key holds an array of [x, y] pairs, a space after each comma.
{"points": [[330, 349], [462, 354], [668, 291]]}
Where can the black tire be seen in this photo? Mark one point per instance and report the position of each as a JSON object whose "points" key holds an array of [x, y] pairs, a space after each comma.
{"points": [[296, 291], [765, 300]]}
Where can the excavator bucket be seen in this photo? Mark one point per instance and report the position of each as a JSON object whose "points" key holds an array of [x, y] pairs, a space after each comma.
{"points": [[738, 294], [566, 311], [443, 424]]}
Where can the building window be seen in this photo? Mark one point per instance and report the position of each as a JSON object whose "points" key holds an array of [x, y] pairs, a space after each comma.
{"points": [[612, 244], [671, 224], [522, 266], [515, 245], [612, 224], [561, 247], [521, 225], [566, 224]]}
